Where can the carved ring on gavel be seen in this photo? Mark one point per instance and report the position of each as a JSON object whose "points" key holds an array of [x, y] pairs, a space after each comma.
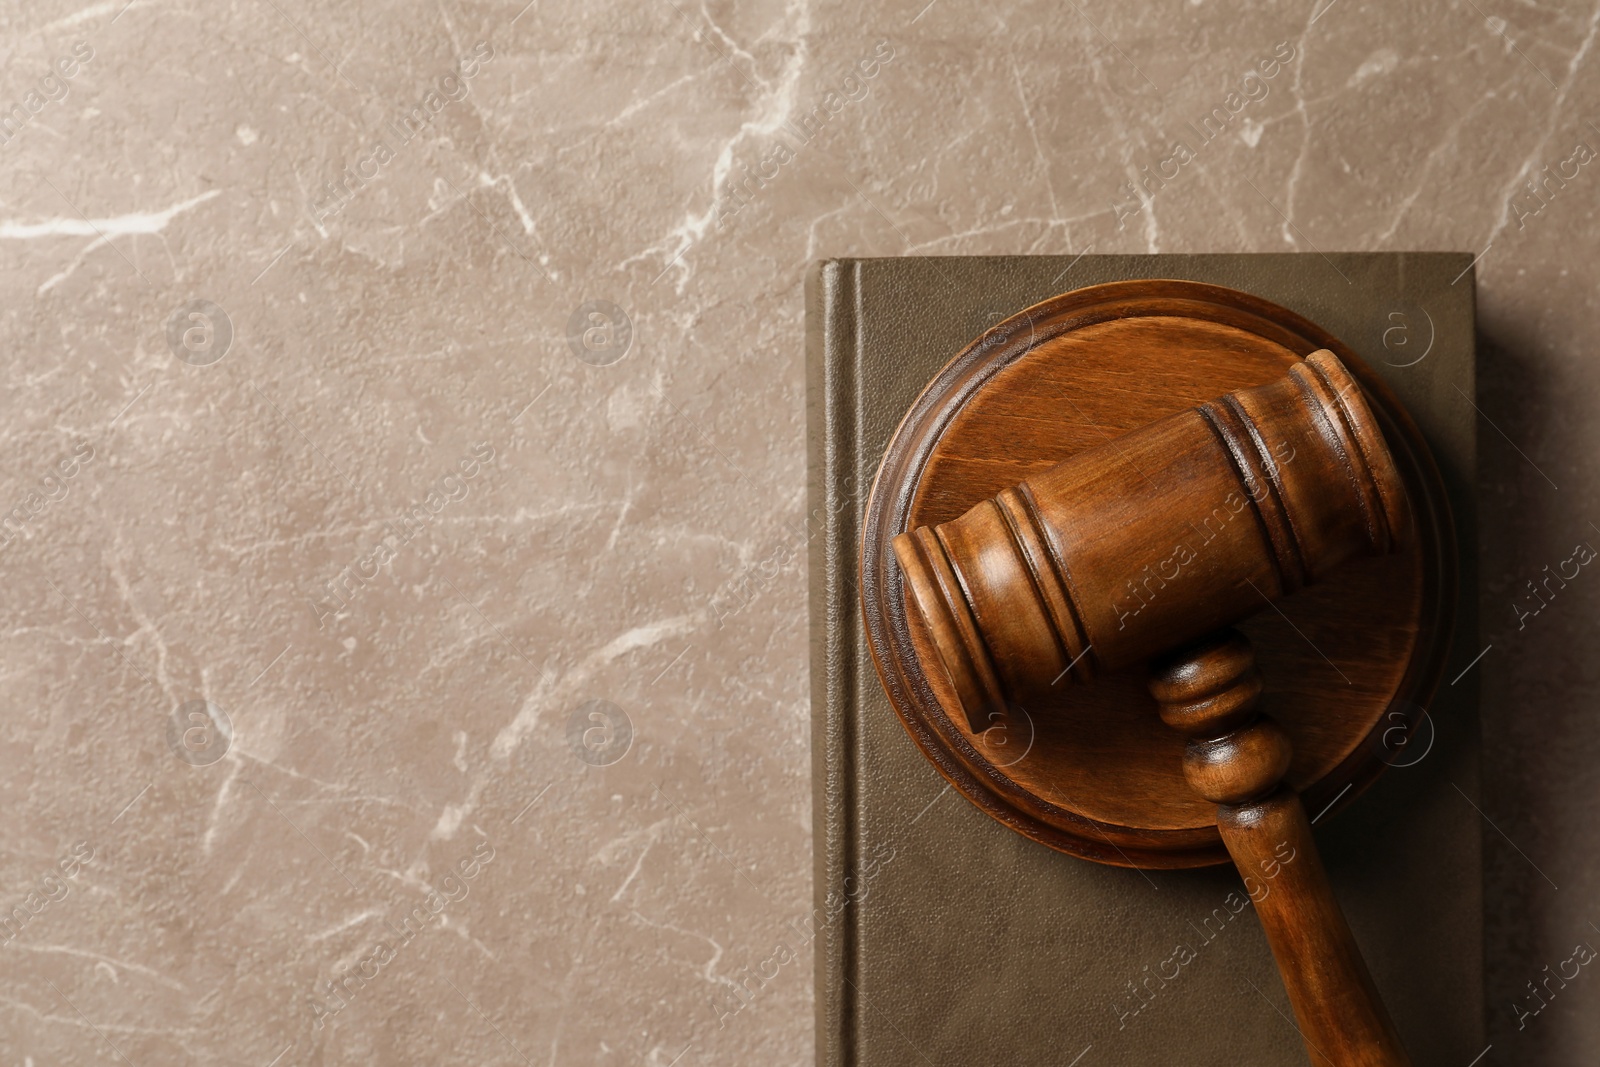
{"points": [[1148, 548]]}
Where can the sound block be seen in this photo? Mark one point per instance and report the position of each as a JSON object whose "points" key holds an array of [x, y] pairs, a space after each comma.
{"points": [[1349, 664]]}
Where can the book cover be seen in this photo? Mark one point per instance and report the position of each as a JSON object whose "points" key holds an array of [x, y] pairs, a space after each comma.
{"points": [[942, 937]]}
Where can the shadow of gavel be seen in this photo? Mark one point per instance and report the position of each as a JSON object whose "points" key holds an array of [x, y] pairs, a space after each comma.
{"points": [[1147, 549]]}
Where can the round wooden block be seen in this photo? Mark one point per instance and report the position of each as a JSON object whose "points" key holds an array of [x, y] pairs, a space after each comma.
{"points": [[1348, 663]]}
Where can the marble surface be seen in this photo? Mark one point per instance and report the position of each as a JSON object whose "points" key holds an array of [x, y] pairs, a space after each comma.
{"points": [[404, 617]]}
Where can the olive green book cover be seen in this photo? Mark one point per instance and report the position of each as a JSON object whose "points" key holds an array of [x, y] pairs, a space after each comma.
{"points": [[941, 936]]}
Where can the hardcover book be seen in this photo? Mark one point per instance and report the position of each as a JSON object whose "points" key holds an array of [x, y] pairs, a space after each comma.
{"points": [[942, 936]]}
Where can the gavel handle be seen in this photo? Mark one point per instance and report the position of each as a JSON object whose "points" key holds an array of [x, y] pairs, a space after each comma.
{"points": [[1342, 1019], [1237, 758]]}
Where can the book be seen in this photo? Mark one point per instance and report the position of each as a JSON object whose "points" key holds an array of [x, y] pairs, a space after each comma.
{"points": [[943, 937]]}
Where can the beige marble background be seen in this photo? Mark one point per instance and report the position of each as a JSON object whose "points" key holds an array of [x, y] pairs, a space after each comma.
{"points": [[527, 776]]}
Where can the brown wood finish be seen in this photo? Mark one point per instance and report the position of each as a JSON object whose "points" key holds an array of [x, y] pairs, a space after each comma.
{"points": [[1123, 472], [1090, 769], [1236, 759], [1154, 538]]}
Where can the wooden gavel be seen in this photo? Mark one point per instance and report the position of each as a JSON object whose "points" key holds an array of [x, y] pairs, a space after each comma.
{"points": [[1147, 549]]}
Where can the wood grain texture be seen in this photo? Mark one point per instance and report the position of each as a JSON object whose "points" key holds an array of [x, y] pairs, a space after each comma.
{"points": [[1154, 538], [1341, 1017], [1236, 758], [1091, 770]]}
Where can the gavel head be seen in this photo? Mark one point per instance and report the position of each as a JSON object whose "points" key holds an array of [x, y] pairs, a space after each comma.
{"points": [[1141, 545]]}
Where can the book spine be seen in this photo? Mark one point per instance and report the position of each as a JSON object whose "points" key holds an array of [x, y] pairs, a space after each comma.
{"points": [[832, 514]]}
